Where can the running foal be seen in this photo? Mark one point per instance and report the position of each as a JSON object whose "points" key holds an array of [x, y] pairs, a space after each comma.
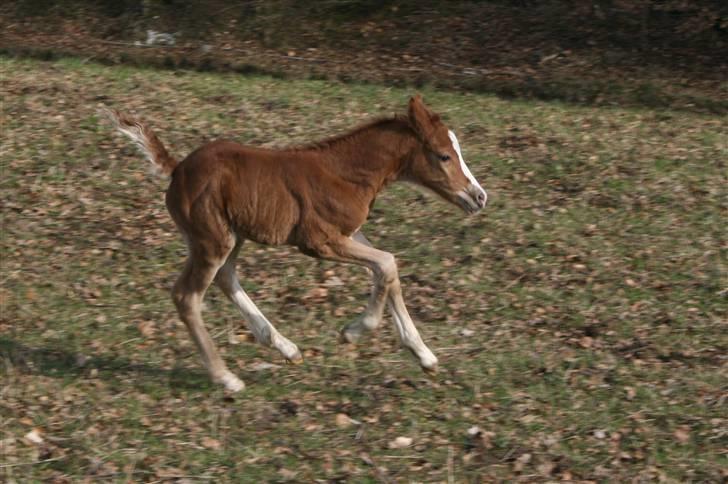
{"points": [[315, 197]]}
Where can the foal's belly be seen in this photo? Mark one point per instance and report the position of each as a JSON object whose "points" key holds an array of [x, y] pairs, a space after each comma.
{"points": [[270, 222]]}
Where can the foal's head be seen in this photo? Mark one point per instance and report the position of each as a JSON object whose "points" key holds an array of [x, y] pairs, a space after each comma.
{"points": [[438, 164]]}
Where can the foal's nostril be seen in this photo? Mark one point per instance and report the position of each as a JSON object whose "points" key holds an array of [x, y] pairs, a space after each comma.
{"points": [[481, 199]]}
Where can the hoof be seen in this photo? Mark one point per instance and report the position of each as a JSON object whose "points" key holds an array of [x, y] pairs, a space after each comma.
{"points": [[350, 337], [428, 361], [296, 359], [430, 371], [289, 350], [232, 383], [353, 332]]}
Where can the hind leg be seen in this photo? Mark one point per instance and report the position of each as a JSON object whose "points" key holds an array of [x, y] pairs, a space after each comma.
{"points": [[258, 324], [202, 265]]}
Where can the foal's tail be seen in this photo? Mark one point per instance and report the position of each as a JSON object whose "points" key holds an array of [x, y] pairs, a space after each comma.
{"points": [[143, 136]]}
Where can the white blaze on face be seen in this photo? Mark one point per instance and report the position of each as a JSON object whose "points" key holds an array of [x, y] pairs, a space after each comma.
{"points": [[463, 166]]}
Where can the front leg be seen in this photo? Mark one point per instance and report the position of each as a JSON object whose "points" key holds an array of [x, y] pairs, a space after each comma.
{"points": [[372, 316], [387, 290]]}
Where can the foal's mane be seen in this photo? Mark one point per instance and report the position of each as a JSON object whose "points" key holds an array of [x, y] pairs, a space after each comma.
{"points": [[337, 138]]}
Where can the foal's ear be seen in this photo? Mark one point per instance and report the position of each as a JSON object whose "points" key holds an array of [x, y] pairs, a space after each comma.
{"points": [[422, 119]]}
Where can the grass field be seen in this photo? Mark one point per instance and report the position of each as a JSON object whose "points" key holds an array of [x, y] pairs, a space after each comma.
{"points": [[580, 320]]}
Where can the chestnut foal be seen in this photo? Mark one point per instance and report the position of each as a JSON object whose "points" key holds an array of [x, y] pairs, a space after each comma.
{"points": [[315, 197]]}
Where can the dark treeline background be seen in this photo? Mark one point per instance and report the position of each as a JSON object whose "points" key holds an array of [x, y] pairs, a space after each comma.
{"points": [[637, 23], [578, 50]]}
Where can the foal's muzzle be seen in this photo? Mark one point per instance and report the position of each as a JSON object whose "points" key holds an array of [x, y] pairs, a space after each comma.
{"points": [[472, 199]]}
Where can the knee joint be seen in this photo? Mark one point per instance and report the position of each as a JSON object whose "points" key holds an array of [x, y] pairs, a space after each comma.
{"points": [[182, 299], [387, 271]]}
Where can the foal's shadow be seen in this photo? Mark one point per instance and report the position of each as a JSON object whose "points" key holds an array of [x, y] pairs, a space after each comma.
{"points": [[60, 363]]}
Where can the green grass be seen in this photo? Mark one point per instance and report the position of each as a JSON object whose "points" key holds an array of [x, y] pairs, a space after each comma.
{"points": [[594, 284]]}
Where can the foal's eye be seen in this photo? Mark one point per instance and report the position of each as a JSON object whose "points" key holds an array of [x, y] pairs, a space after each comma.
{"points": [[443, 157]]}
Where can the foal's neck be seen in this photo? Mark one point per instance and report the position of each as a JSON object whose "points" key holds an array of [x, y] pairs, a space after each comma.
{"points": [[370, 156]]}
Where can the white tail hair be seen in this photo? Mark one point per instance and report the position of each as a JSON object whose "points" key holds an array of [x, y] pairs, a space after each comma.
{"points": [[145, 139]]}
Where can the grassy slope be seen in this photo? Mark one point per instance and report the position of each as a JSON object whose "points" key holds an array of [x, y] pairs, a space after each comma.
{"points": [[591, 284]]}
